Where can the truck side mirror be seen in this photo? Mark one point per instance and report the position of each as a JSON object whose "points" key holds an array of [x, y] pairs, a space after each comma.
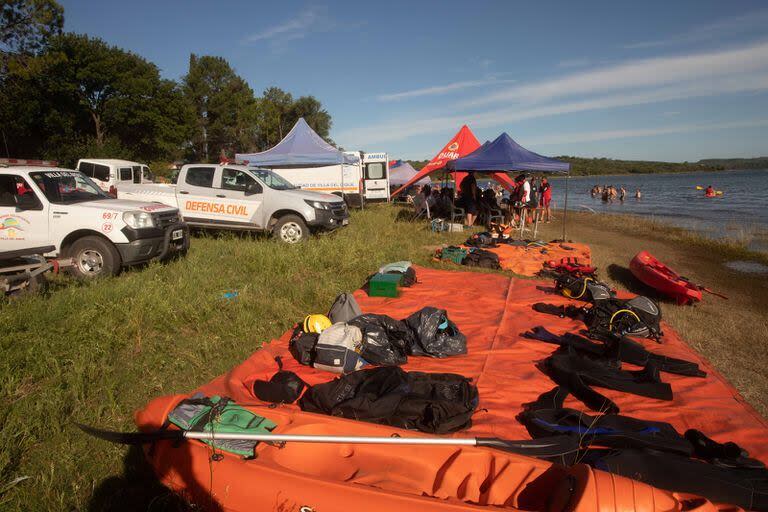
{"points": [[27, 202], [253, 188]]}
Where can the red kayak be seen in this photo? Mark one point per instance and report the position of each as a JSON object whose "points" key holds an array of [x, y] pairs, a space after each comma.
{"points": [[660, 277]]}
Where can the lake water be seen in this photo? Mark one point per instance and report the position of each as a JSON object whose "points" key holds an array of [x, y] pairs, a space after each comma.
{"points": [[741, 213]]}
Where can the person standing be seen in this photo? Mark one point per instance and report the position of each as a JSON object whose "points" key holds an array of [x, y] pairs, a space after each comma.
{"points": [[469, 198], [622, 193], [545, 192], [638, 194]]}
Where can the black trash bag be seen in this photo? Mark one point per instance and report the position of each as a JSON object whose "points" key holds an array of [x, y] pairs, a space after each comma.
{"points": [[386, 341], [435, 335]]}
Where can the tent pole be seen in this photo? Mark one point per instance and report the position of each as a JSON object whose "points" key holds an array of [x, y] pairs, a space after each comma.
{"points": [[565, 204]]}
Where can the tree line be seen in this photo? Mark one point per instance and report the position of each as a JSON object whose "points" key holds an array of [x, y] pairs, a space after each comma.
{"points": [[65, 96], [600, 166]]}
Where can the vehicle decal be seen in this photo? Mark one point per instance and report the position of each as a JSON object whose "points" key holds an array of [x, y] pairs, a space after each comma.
{"points": [[154, 207], [109, 215], [62, 174], [205, 206], [106, 227], [11, 227], [353, 189]]}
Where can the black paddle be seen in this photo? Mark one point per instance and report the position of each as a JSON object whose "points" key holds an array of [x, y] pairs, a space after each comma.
{"points": [[544, 447]]}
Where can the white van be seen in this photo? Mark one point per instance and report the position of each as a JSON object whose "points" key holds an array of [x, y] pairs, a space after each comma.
{"points": [[107, 173]]}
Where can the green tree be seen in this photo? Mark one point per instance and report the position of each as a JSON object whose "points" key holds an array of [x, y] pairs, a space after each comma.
{"points": [[278, 112], [274, 115], [314, 114], [90, 98], [224, 108], [26, 25]]}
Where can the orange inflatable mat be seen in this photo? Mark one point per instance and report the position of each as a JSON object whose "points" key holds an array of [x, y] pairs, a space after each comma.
{"points": [[492, 310], [527, 261]]}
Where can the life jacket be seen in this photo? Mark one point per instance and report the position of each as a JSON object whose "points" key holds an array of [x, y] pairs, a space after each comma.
{"points": [[582, 288], [220, 415], [570, 265]]}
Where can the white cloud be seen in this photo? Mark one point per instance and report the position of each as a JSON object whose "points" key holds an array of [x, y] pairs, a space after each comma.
{"points": [[579, 137], [637, 74], [440, 89], [403, 129], [310, 20], [736, 25]]}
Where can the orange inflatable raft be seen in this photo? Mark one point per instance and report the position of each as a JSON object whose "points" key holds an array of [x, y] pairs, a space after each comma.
{"points": [[321, 477], [491, 310]]}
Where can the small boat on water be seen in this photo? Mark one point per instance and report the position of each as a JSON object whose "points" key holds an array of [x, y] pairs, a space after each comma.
{"points": [[650, 271]]}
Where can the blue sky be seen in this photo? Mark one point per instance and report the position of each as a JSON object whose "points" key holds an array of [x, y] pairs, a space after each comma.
{"points": [[648, 80]]}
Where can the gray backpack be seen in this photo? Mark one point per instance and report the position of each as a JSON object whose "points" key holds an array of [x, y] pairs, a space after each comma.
{"points": [[344, 308]]}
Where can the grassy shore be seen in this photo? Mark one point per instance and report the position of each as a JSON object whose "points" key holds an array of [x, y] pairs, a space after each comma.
{"points": [[93, 353]]}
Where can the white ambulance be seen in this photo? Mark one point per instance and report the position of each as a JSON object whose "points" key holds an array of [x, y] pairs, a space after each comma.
{"points": [[369, 178]]}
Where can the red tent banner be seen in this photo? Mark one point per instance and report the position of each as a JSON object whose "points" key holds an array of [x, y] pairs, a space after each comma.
{"points": [[462, 144]]}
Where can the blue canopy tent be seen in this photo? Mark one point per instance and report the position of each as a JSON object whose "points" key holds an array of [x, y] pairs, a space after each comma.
{"points": [[506, 155], [302, 147], [400, 173]]}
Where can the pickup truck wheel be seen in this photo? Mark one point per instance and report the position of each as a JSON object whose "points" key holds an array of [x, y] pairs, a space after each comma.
{"points": [[93, 257], [291, 229]]}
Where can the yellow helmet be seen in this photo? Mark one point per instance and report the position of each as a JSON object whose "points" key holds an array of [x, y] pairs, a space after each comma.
{"points": [[316, 323]]}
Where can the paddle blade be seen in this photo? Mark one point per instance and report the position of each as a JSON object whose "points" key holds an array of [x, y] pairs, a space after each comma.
{"points": [[543, 447], [718, 294], [131, 437]]}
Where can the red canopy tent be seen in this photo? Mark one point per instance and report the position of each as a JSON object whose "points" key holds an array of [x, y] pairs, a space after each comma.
{"points": [[461, 145]]}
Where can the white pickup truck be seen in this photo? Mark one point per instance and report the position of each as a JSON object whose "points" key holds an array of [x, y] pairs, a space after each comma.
{"points": [[237, 197], [44, 206]]}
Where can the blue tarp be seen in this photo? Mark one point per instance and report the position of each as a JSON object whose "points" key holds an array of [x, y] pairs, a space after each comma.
{"points": [[302, 147], [504, 154]]}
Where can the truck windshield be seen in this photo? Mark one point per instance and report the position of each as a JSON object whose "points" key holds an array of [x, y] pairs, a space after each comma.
{"points": [[67, 187], [273, 180]]}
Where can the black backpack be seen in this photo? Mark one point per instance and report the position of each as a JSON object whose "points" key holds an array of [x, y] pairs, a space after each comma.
{"points": [[582, 288], [302, 346], [482, 258], [639, 316]]}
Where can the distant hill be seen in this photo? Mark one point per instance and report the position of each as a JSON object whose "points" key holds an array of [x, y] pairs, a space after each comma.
{"points": [[596, 166], [760, 162]]}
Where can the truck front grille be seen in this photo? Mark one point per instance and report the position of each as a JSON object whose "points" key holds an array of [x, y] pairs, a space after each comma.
{"points": [[339, 209], [165, 219]]}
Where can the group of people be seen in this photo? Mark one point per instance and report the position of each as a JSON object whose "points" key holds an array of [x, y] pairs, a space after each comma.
{"points": [[610, 194], [527, 195]]}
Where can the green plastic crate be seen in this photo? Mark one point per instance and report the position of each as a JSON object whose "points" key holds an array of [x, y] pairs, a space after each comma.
{"points": [[384, 285]]}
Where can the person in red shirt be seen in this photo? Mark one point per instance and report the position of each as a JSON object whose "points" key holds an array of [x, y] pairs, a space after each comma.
{"points": [[545, 192]]}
